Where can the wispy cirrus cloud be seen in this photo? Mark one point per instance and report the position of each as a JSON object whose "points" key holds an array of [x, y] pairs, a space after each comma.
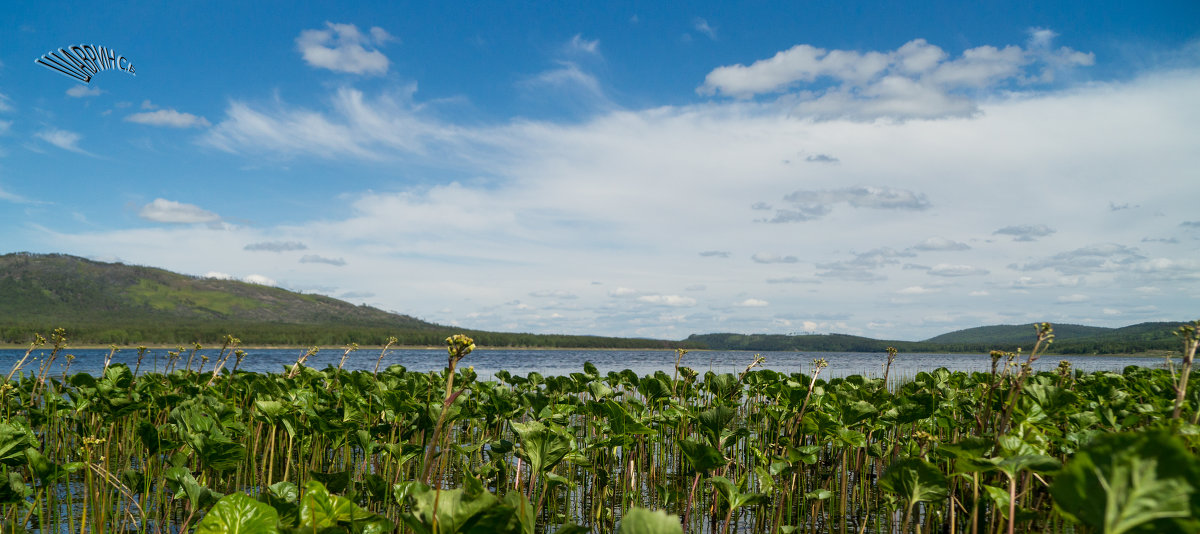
{"points": [[64, 139]]}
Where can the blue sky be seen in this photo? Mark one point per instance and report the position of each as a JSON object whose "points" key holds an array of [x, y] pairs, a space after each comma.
{"points": [[656, 169]]}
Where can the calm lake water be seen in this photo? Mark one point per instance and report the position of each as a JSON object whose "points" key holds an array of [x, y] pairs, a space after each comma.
{"points": [[561, 362]]}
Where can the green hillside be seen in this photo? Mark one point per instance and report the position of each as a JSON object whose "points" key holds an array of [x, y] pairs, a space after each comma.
{"points": [[105, 303], [1015, 334]]}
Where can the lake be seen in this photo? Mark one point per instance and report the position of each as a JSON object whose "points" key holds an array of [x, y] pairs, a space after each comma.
{"points": [[561, 362]]}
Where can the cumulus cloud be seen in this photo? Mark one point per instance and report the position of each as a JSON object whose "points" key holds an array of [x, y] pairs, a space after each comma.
{"points": [[940, 243], [715, 254], [702, 26], [313, 258], [80, 91], [168, 211], [917, 80], [1025, 232], [1069, 299], [343, 48], [275, 246], [917, 290], [168, 117], [810, 205], [764, 257]]}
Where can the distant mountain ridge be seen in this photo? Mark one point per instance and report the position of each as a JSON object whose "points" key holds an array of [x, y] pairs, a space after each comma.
{"points": [[104, 303]]}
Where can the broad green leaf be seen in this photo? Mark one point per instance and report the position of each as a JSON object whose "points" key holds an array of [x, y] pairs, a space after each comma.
{"points": [[447, 511], [543, 447], [1145, 482], [238, 513], [701, 456], [14, 439], [914, 480], [46, 470]]}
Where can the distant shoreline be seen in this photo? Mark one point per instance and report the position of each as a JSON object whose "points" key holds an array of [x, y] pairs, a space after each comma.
{"points": [[1158, 354]]}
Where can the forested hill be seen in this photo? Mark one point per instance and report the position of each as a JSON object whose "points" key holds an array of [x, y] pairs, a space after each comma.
{"points": [[1068, 339], [106, 303]]}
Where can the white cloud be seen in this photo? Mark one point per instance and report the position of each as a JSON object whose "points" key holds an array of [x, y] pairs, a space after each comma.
{"points": [[355, 127], [940, 243], [622, 292], [810, 205], [917, 290], [276, 246], [1025, 232], [579, 44], [667, 300], [764, 257], [702, 26], [168, 117], [752, 303], [64, 139], [979, 293], [343, 48], [314, 258], [945, 269], [260, 280], [80, 91], [1068, 299], [169, 211], [917, 80], [5, 103]]}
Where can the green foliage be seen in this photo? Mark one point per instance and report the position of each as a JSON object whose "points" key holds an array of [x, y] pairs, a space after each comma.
{"points": [[1137, 482], [237, 513]]}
